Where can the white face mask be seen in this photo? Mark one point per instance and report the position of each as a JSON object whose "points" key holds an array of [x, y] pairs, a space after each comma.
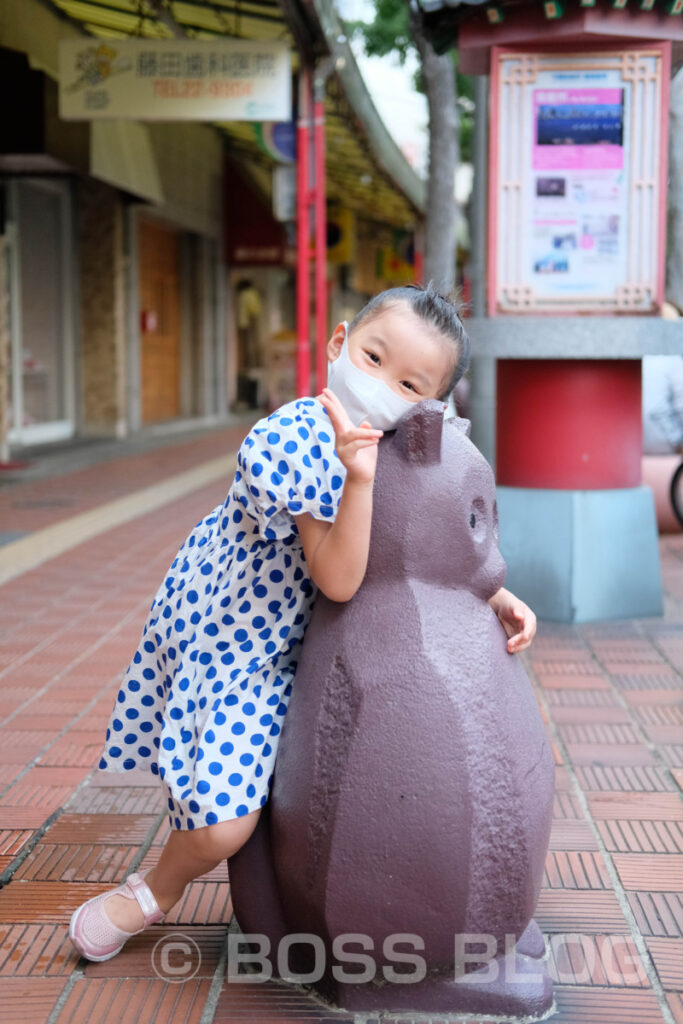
{"points": [[364, 397]]}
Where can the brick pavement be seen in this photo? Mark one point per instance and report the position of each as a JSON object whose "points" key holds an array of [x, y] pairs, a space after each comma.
{"points": [[610, 907]]}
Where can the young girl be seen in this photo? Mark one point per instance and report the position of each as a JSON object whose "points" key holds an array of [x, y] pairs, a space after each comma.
{"points": [[203, 700]]}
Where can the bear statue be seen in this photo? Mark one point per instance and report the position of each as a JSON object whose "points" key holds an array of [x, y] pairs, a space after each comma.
{"points": [[410, 810]]}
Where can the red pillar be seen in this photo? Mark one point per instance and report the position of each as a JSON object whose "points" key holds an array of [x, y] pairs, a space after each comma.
{"points": [[303, 298], [569, 424], [320, 248]]}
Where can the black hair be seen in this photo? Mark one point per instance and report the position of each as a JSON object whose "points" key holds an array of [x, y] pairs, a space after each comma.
{"points": [[435, 309]]}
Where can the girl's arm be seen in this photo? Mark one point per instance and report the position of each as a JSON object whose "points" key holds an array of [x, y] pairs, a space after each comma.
{"points": [[517, 618], [337, 553]]}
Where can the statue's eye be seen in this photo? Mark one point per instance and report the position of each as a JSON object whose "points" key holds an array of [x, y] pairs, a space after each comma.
{"points": [[478, 520]]}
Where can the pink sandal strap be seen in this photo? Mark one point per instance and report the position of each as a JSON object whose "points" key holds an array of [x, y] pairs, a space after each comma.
{"points": [[145, 897]]}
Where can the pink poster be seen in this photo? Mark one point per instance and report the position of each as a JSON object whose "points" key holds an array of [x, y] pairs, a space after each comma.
{"points": [[578, 129]]}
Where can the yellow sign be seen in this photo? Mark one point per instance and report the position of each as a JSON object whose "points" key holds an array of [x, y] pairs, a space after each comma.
{"points": [[395, 263], [341, 235], [175, 79]]}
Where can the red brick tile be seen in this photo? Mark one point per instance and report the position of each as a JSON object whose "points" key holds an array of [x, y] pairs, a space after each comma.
{"points": [[617, 754], [641, 806], [79, 863], [29, 902], [661, 872], [36, 949], [576, 869], [574, 682], [273, 1002], [579, 1005], [633, 836], [658, 913], [136, 777], [667, 955], [106, 829], [75, 748], [22, 817], [29, 999], [675, 1002], [135, 999], [203, 903], [572, 835], [590, 715], [116, 800], [639, 778], [671, 714], [598, 732], [578, 910], [573, 667], [577, 959], [566, 805], [582, 699]]}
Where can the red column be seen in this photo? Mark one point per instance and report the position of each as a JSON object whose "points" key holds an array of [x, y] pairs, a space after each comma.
{"points": [[303, 298], [320, 248], [569, 424]]}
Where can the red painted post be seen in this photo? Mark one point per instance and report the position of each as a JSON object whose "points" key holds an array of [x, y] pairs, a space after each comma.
{"points": [[569, 424], [303, 298], [320, 247]]}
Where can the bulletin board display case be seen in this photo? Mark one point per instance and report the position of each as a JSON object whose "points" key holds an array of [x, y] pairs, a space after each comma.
{"points": [[578, 146]]}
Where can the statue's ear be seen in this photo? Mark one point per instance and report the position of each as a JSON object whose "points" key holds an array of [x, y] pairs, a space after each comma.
{"points": [[462, 424], [418, 434]]}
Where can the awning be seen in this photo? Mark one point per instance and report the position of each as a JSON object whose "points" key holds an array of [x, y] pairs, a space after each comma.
{"points": [[365, 168]]}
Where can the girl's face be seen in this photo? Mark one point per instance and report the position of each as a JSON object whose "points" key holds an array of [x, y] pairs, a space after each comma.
{"points": [[397, 347]]}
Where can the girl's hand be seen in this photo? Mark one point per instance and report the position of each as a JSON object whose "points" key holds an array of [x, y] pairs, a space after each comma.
{"points": [[356, 446], [517, 619]]}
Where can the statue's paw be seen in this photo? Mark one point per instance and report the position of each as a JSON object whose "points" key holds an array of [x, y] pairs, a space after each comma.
{"points": [[532, 943]]}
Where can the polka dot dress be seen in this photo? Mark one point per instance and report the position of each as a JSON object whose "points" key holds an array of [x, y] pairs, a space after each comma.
{"points": [[203, 700]]}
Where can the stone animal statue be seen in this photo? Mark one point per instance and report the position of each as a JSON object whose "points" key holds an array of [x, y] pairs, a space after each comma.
{"points": [[413, 789]]}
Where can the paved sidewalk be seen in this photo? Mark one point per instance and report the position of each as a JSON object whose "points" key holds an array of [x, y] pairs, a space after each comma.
{"points": [[610, 694]]}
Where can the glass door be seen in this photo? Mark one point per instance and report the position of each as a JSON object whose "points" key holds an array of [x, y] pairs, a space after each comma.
{"points": [[41, 311]]}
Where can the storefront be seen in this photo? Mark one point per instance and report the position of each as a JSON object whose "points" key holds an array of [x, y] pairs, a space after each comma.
{"points": [[40, 273]]}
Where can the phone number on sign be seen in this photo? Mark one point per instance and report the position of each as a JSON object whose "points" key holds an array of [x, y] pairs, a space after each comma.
{"points": [[191, 89]]}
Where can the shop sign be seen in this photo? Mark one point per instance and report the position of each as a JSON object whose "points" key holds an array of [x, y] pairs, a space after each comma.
{"points": [[175, 79]]}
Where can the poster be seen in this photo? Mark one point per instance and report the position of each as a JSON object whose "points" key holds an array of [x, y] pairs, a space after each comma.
{"points": [[578, 199], [175, 79]]}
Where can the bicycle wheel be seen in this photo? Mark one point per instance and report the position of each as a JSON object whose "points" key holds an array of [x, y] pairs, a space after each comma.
{"points": [[676, 493]]}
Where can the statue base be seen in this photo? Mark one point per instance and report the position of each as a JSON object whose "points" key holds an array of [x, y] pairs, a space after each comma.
{"points": [[582, 556]]}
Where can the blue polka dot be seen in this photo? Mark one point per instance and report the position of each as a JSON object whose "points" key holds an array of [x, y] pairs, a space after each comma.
{"points": [[241, 810], [215, 767], [203, 786], [222, 799], [238, 728], [272, 437]]}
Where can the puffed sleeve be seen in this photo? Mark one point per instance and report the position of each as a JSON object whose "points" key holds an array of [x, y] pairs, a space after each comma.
{"points": [[287, 465]]}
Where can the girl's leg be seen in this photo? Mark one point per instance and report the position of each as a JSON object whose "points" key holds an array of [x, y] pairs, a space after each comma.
{"points": [[186, 855]]}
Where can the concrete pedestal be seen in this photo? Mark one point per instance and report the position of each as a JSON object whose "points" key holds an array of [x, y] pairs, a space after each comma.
{"points": [[582, 555]]}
